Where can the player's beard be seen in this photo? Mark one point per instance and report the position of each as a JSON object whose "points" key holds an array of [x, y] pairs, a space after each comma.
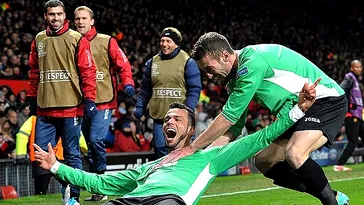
{"points": [[218, 79], [229, 76]]}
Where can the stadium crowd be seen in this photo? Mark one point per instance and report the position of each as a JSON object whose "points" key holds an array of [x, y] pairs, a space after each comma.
{"points": [[329, 39]]}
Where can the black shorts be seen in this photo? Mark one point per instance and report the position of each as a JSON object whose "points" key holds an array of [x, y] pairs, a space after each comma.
{"points": [[326, 114], [167, 199]]}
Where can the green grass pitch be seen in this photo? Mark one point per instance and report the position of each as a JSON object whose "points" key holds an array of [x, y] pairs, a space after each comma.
{"points": [[246, 189]]}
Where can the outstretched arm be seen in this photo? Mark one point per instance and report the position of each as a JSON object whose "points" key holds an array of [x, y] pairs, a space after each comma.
{"points": [[107, 184]]}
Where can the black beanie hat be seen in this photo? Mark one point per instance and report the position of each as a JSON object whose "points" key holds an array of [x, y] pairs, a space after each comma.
{"points": [[171, 34]]}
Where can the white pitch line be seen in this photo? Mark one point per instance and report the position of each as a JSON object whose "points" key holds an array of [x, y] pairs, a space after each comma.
{"points": [[268, 189]]}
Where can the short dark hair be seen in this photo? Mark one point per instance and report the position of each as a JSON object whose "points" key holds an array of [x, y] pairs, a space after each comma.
{"points": [[191, 113], [210, 43], [53, 3]]}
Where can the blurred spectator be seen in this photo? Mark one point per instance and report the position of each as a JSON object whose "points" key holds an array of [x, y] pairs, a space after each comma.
{"points": [[148, 131], [2, 109], [130, 108], [17, 75], [201, 119], [21, 98], [23, 114], [3, 62], [12, 116], [213, 92], [7, 73], [7, 91], [11, 101], [121, 111], [7, 143], [127, 139], [258, 127], [14, 61]]}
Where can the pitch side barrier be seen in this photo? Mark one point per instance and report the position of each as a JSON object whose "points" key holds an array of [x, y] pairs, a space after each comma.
{"points": [[126, 160], [20, 175]]}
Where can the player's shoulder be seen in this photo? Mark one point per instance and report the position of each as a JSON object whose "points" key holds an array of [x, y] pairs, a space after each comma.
{"points": [[74, 33], [41, 33], [262, 48], [101, 35], [252, 55]]}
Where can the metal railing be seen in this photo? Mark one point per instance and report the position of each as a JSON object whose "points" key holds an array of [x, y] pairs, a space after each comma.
{"points": [[20, 176]]}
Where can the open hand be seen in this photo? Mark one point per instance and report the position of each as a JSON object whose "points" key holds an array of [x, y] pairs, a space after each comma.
{"points": [[45, 159], [307, 96]]}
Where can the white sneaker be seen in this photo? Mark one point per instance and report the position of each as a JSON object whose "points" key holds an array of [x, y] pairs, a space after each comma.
{"points": [[66, 194], [341, 168], [72, 201]]}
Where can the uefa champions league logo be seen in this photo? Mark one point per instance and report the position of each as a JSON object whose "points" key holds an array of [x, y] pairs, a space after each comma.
{"points": [[40, 50], [154, 69]]}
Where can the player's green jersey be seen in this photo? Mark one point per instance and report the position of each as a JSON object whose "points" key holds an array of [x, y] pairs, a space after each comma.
{"points": [[188, 177], [271, 75]]}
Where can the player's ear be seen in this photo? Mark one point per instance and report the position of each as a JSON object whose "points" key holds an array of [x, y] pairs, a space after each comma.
{"points": [[191, 130], [225, 56]]}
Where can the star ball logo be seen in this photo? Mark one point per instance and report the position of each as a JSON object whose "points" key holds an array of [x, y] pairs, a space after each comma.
{"points": [[40, 49], [40, 46], [154, 69], [99, 76]]}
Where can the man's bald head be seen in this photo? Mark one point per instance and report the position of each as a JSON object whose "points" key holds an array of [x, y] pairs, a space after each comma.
{"points": [[353, 62], [356, 67]]}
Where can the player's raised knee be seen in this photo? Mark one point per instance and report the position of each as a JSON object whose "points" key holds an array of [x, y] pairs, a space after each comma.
{"points": [[295, 157]]}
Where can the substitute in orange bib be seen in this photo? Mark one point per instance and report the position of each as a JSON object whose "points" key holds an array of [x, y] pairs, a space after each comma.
{"points": [[110, 61], [62, 85]]}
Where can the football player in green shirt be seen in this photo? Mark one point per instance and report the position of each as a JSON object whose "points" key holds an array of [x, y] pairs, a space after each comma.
{"points": [[184, 181], [272, 75]]}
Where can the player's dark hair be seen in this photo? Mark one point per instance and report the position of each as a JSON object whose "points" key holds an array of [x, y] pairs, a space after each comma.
{"points": [[53, 3], [191, 113], [210, 43]]}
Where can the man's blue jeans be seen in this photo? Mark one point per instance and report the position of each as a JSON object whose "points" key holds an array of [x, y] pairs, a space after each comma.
{"points": [[95, 131], [48, 129]]}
